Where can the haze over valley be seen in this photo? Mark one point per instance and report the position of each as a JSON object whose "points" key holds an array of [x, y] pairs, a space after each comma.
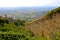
{"points": [[25, 13]]}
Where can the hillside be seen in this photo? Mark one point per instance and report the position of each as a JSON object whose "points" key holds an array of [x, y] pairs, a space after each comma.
{"points": [[47, 26], [44, 28]]}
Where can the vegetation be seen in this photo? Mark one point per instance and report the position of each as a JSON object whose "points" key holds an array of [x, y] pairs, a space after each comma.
{"points": [[53, 12], [14, 30], [47, 27], [41, 29]]}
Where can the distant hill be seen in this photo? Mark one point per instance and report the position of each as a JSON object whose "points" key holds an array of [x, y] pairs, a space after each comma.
{"points": [[47, 26]]}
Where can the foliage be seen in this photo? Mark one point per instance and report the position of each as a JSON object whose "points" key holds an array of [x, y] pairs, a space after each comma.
{"points": [[53, 12], [15, 29], [19, 22]]}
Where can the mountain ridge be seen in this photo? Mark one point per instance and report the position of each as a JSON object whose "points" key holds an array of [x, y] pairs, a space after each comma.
{"points": [[49, 14], [47, 26]]}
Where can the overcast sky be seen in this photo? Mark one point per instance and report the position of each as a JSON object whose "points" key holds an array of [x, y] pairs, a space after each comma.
{"points": [[22, 3]]}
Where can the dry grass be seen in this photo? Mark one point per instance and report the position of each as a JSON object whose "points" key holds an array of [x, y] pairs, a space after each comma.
{"points": [[45, 27]]}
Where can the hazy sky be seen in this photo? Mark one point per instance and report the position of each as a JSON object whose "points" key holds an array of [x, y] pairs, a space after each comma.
{"points": [[17, 3]]}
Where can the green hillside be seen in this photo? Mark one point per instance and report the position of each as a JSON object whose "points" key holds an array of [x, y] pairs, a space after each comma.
{"points": [[14, 30]]}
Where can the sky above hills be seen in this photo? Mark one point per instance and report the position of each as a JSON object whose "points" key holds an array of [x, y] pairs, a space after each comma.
{"points": [[24, 3]]}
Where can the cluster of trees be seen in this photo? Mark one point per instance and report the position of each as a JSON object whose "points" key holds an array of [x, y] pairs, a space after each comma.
{"points": [[7, 21], [14, 30]]}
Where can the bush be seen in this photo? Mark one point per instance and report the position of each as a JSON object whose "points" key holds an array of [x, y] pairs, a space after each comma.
{"points": [[19, 22]]}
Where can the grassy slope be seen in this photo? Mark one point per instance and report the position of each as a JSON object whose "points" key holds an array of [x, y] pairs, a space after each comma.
{"points": [[47, 26]]}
